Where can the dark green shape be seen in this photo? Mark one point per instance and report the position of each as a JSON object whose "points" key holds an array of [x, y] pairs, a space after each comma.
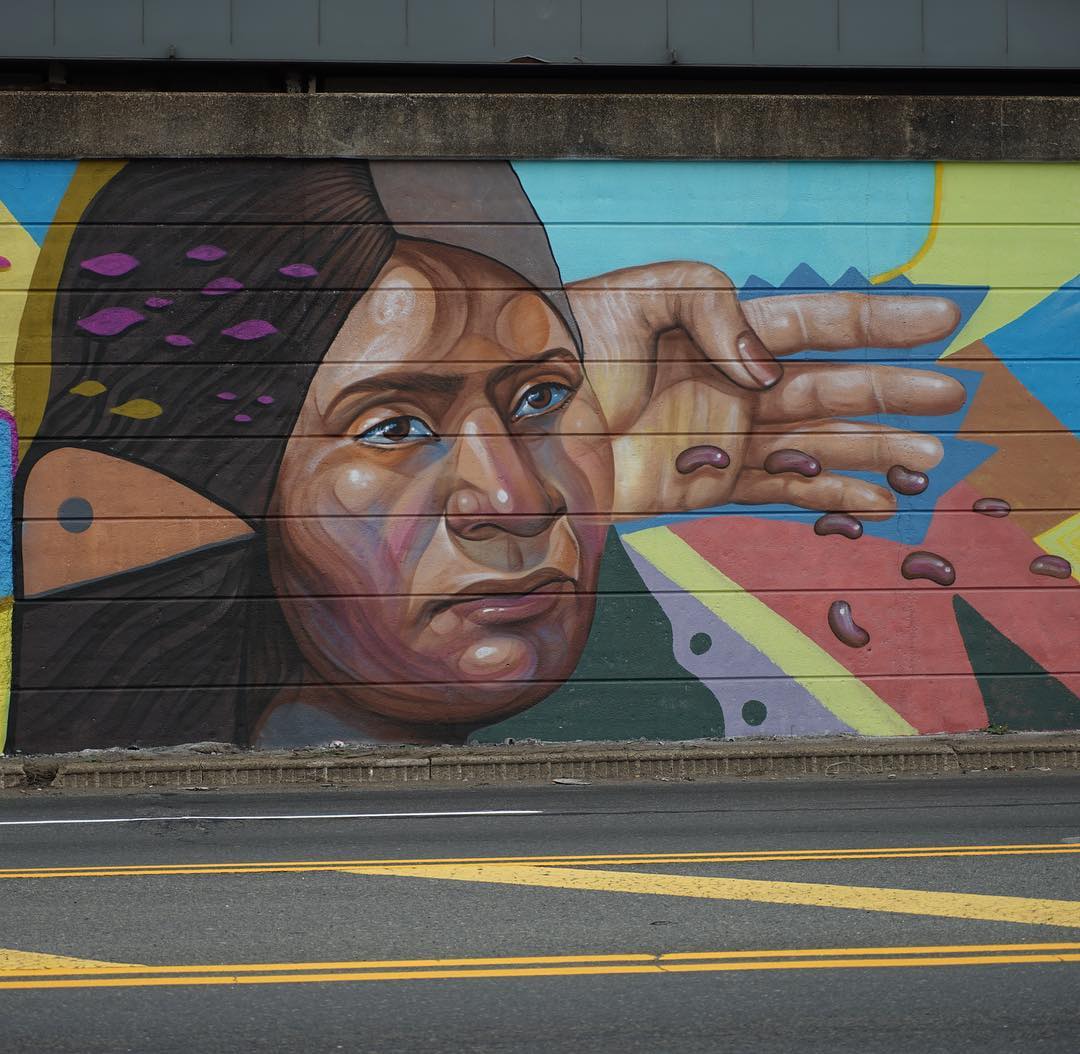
{"points": [[1017, 691], [654, 697], [754, 711], [700, 643]]}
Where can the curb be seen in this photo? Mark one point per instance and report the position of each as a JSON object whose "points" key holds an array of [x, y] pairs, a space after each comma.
{"points": [[221, 765]]}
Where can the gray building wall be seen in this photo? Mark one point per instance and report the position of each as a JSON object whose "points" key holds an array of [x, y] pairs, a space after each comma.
{"points": [[992, 34]]}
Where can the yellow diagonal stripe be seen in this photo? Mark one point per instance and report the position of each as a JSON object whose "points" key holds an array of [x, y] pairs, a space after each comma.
{"points": [[1028, 910], [19, 962], [848, 698]]}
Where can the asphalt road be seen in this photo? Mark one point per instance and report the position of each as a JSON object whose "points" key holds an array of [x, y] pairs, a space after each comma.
{"points": [[788, 916]]}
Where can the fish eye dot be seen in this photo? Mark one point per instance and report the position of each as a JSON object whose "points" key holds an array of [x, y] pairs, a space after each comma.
{"points": [[754, 711], [700, 643]]}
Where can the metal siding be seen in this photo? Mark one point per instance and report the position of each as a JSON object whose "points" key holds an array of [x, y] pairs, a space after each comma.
{"points": [[543, 29], [102, 29], [795, 32], [275, 29], [28, 28], [1044, 33], [992, 34], [624, 31], [708, 31], [881, 31], [374, 32], [196, 28], [966, 32], [441, 31]]}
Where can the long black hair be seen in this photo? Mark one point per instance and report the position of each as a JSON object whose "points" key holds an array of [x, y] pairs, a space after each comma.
{"points": [[193, 305], [184, 281]]}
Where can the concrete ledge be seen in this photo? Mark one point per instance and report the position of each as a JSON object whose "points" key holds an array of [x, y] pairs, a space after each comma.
{"points": [[218, 765], [38, 124]]}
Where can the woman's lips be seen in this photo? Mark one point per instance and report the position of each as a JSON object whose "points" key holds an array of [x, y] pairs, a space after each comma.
{"points": [[506, 601]]}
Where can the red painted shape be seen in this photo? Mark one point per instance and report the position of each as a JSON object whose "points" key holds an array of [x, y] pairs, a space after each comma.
{"points": [[916, 659]]}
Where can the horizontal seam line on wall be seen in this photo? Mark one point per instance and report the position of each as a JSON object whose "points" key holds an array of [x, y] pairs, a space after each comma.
{"points": [[689, 679]]}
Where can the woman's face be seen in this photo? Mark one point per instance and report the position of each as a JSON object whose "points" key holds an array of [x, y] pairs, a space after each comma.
{"points": [[442, 503]]}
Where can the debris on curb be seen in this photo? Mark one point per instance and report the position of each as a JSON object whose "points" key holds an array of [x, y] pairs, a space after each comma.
{"points": [[223, 765]]}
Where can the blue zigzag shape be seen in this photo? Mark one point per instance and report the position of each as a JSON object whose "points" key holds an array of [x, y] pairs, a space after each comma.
{"points": [[1042, 349]]}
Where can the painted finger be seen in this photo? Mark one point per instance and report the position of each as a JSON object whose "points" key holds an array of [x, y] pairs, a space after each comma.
{"points": [[853, 446], [824, 493], [714, 321], [678, 295], [701, 301], [814, 390], [836, 321]]}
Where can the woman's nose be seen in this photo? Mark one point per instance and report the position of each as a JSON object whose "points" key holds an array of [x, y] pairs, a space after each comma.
{"points": [[496, 488]]}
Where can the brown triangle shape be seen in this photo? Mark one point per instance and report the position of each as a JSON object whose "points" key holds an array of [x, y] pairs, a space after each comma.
{"points": [[87, 515]]}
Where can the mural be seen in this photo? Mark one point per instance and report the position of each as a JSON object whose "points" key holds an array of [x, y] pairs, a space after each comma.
{"points": [[446, 451]]}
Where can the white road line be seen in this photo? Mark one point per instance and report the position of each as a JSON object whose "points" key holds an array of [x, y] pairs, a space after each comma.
{"points": [[284, 816]]}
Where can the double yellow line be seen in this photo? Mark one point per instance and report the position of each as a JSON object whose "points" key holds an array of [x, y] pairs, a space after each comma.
{"points": [[744, 857], [121, 975]]}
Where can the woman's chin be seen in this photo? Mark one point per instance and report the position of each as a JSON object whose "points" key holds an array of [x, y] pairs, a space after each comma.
{"points": [[491, 679]]}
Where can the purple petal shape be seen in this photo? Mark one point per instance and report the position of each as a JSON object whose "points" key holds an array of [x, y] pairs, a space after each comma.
{"points": [[178, 340], [157, 301], [242, 418], [226, 396], [250, 329], [109, 321], [298, 270], [222, 286], [266, 400], [206, 253], [5, 263], [111, 265]]}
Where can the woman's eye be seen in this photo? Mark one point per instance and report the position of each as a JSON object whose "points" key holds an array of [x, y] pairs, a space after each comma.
{"points": [[396, 430], [541, 399]]}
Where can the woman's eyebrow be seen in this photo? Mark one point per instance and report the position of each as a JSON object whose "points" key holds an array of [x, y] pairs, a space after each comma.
{"points": [[501, 374], [403, 382]]}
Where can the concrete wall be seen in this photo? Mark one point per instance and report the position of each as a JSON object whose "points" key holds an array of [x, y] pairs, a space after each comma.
{"points": [[35, 125], [983, 34], [289, 430]]}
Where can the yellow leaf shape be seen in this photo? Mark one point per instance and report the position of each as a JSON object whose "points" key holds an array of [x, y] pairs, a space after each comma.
{"points": [[140, 409], [87, 388]]}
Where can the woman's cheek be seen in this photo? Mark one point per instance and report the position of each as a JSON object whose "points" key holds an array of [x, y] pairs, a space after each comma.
{"points": [[586, 448]]}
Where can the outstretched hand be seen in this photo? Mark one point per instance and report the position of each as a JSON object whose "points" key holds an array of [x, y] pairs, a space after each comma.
{"points": [[677, 360]]}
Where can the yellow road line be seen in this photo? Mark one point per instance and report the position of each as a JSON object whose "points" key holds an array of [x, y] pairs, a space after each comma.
{"points": [[539, 971], [746, 856], [84, 967], [903, 949], [379, 964], [1027, 910]]}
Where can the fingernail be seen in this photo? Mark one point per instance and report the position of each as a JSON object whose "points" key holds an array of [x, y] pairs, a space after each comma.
{"points": [[757, 360]]}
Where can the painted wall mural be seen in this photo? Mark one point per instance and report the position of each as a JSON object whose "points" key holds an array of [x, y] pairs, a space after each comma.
{"points": [[469, 451]]}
